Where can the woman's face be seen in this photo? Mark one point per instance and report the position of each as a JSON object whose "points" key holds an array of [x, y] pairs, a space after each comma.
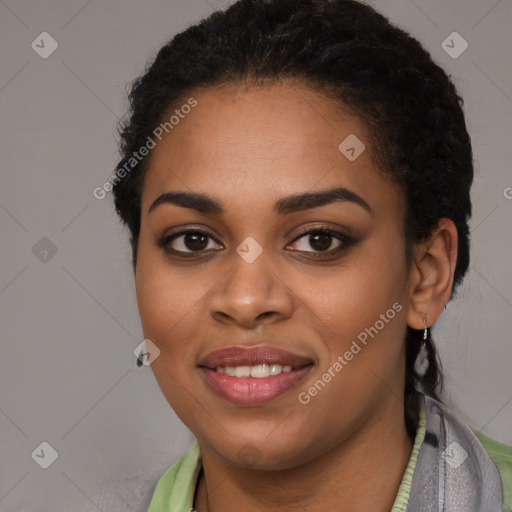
{"points": [[249, 290]]}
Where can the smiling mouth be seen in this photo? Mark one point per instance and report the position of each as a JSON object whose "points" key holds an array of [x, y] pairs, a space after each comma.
{"points": [[253, 376]]}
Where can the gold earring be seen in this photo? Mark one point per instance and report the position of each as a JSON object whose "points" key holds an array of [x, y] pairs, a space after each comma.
{"points": [[426, 332]]}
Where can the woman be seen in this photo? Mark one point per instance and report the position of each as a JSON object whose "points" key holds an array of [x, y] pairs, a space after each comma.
{"points": [[296, 176]]}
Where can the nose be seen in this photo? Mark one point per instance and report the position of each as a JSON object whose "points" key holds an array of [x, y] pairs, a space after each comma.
{"points": [[251, 294]]}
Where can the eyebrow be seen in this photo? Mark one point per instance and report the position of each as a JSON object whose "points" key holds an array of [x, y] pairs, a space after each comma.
{"points": [[286, 205]]}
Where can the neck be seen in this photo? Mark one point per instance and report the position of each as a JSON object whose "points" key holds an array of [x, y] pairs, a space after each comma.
{"points": [[363, 473]]}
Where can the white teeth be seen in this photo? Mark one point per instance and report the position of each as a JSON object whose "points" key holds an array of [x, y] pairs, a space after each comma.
{"points": [[242, 371], [258, 371], [276, 369]]}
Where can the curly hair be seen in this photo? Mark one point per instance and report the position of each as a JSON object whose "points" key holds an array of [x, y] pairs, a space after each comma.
{"points": [[354, 55]]}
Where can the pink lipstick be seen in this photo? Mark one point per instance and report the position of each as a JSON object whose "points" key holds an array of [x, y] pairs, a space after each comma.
{"points": [[252, 376]]}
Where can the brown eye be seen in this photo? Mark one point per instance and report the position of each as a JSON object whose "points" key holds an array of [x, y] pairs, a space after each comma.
{"points": [[321, 240], [191, 241], [195, 241]]}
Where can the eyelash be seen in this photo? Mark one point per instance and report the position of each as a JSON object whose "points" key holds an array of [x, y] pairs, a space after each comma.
{"points": [[345, 241]]}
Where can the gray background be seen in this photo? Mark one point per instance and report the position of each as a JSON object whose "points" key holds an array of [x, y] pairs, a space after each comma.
{"points": [[69, 324]]}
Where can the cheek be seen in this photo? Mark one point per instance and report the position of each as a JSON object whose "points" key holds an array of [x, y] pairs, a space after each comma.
{"points": [[364, 307], [367, 331], [353, 298]]}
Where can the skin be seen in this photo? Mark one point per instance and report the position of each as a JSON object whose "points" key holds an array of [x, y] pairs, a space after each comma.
{"points": [[348, 447]]}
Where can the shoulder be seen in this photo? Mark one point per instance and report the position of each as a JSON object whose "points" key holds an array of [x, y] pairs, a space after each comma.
{"points": [[501, 454]]}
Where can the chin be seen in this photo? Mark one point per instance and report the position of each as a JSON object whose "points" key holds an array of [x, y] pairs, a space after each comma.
{"points": [[260, 453]]}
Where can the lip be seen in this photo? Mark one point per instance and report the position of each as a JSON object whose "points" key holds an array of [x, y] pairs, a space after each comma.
{"points": [[250, 391], [250, 356]]}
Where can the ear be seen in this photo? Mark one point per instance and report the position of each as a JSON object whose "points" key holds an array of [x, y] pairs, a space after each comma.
{"points": [[432, 274]]}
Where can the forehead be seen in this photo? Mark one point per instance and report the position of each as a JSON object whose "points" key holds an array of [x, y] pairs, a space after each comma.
{"points": [[260, 142]]}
